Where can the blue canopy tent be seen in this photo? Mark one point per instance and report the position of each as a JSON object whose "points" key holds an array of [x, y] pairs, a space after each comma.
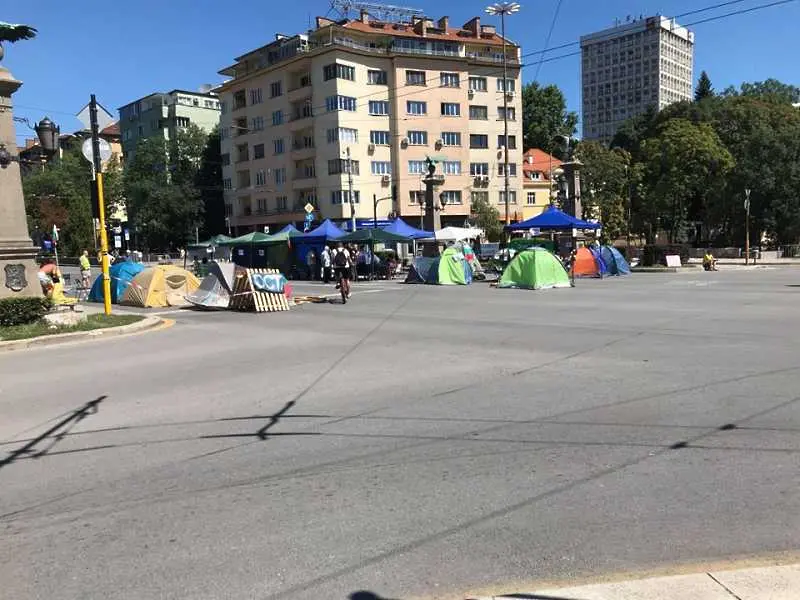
{"points": [[400, 227], [121, 273], [315, 239], [291, 230], [552, 219]]}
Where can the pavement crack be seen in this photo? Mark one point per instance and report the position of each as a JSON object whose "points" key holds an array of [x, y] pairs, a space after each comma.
{"points": [[724, 587]]}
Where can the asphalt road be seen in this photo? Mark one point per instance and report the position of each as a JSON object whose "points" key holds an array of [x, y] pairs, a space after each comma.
{"points": [[418, 442]]}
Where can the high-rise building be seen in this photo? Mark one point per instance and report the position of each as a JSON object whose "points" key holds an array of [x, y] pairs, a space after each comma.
{"points": [[162, 114], [368, 101], [630, 67]]}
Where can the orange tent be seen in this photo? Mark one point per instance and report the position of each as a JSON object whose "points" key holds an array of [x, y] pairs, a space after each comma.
{"points": [[587, 264]]}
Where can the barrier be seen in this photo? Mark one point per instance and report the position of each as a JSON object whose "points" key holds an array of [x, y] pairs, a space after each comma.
{"points": [[259, 290]]}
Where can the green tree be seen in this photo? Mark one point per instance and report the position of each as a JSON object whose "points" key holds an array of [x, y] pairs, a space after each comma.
{"points": [[704, 89], [605, 186], [545, 115], [487, 217], [209, 184], [772, 90]]}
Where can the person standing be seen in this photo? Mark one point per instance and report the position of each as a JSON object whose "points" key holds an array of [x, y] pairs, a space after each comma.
{"points": [[86, 270], [311, 262], [325, 259]]}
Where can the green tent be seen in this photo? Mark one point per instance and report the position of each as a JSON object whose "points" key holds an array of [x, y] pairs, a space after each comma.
{"points": [[453, 268], [247, 239], [215, 240], [534, 269], [373, 235]]}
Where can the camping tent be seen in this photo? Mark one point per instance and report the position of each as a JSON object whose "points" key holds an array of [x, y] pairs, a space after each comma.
{"points": [[122, 273], [615, 262], [534, 269], [162, 285], [553, 219], [216, 288], [588, 263], [400, 227], [448, 269]]}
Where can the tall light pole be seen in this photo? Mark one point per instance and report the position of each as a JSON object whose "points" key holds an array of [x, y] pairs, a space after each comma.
{"points": [[747, 226], [350, 192], [503, 9]]}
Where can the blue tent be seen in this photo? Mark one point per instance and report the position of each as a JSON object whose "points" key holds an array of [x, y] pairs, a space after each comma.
{"points": [[615, 262], [290, 229], [553, 219], [400, 227], [122, 273], [327, 230]]}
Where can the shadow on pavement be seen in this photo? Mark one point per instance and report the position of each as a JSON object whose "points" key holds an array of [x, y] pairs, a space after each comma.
{"points": [[363, 595]]}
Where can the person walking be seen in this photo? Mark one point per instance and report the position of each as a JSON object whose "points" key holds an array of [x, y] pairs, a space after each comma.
{"points": [[325, 259]]}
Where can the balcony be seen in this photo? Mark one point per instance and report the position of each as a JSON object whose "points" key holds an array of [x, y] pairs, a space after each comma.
{"points": [[303, 148]]}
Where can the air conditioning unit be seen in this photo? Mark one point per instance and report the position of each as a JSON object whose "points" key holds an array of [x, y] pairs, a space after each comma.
{"points": [[471, 94], [510, 95], [386, 179], [404, 142], [371, 148]]}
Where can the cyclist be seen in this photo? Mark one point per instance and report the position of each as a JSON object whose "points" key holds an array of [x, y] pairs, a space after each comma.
{"points": [[341, 265]]}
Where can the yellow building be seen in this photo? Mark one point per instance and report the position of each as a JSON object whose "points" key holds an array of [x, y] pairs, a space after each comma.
{"points": [[538, 168], [390, 95]]}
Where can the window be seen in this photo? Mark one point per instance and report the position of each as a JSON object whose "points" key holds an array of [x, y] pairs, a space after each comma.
{"points": [[340, 103], [258, 151], [512, 141], [512, 197], [450, 197], [280, 176], [449, 80], [338, 166], [275, 89], [511, 112], [379, 167], [478, 141], [417, 138], [477, 84], [280, 202], [417, 167], [415, 78], [451, 167], [478, 113], [226, 184], [451, 138], [451, 109], [223, 107], [182, 121], [531, 198], [226, 158], [379, 107], [255, 96], [239, 100], [416, 108], [343, 134], [278, 145], [510, 85], [261, 205], [261, 178], [277, 117], [512, 169], [416, 197], [337, 71], [479, 197], [343, 196], [375, 77], [476, 169], [257, 124], [242, 153], [379, 138]]}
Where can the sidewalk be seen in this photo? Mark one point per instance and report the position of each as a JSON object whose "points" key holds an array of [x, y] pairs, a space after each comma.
{"points": [[759, 583]]}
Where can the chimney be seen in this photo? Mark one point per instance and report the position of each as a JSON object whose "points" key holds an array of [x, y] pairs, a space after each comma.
{"points": [[473, 26], [364, 16], [443, 23], [530, 159], [421, 27]]}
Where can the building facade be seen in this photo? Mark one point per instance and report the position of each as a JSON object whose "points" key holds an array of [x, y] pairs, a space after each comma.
{"points": [[162, 115], [356, 106], [539, 171], [630, 67]]}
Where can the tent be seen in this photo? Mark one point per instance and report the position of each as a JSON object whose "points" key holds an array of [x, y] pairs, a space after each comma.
{"points": [[214, 240], [290, 229], [455, 234], [162, 285], [327, 230], [400, 227], [373, 235], [615, 262], [588, 263], [248, 239], [552, 219], [448, 269], [216, 288], [534, 269], [122, 273]]}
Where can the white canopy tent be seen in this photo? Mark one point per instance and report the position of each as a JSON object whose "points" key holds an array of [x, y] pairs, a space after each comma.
{"points": [[456, 234]]}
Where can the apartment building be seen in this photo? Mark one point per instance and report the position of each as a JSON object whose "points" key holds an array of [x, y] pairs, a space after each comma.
{"points": [[539, 172], [390, 95], [630, 67], [161, 114]]}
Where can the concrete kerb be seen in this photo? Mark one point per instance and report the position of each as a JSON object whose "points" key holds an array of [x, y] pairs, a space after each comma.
{"points": [[61, 338]]}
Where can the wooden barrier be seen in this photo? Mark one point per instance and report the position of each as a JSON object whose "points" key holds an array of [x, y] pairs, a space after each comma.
{"points": [[246, 297]]}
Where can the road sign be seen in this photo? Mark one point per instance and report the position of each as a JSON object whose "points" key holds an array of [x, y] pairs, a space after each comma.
{"points": [[534, 231], [88, 154], [309, 208]]}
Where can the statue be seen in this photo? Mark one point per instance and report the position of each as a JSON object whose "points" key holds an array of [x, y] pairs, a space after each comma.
{"points": [[14, 33]]}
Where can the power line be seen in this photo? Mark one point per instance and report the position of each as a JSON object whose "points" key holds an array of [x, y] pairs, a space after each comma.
{"points": [[547, 39]]}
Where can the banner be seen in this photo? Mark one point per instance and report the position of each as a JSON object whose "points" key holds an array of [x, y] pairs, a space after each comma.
{"points": [[263, 282]]}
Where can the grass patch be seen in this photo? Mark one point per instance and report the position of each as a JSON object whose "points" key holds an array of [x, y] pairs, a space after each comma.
{"points": [[40, 328]]}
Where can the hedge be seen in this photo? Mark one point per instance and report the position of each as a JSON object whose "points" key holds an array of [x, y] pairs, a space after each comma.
{"points": [[22, 310]]}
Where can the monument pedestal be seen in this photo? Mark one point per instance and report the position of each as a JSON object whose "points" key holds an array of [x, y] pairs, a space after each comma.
{"points": [[18, 268]]}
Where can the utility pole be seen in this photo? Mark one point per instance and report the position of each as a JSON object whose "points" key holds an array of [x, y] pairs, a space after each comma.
{"points": [[505, 118], [747, 226], [101, 208], [350, 186], [628, 224]]}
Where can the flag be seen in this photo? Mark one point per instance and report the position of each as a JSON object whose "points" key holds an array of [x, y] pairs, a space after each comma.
{"points": [[54, 234]]}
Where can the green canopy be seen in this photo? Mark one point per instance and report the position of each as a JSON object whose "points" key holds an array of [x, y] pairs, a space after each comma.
{"points": [[373, 235], [215, 240], [282, 237], [534, 269], [254, 237]]}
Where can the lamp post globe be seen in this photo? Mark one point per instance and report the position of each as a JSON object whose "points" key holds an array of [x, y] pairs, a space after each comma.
{"points": [[48, 133]]}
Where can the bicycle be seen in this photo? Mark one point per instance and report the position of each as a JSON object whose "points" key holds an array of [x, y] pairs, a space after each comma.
{"points": [[344, 285]]}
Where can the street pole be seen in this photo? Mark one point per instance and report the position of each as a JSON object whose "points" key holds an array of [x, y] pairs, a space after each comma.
{"points": [[374, 228], [747, 227], [350, 186], [101, 208], [628, 224], [505, 116]]}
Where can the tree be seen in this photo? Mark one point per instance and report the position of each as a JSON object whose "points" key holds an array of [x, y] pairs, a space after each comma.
{"points": [[770, 90], [605, 186], [164, 203], [704, 89], [544, 116], [487, 217], [209, 184]]}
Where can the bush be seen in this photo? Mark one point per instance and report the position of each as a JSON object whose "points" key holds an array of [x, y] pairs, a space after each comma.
{"points": [[22, 310]]}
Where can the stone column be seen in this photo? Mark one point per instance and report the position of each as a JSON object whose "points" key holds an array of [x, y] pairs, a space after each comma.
{"points": [[573, 179], [18, 268]]}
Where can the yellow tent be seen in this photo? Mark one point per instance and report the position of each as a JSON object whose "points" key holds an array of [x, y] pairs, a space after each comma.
{"points": [[159, 286]]}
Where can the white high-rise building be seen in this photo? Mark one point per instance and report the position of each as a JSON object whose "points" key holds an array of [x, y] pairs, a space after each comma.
{"points": [[627, 68]]}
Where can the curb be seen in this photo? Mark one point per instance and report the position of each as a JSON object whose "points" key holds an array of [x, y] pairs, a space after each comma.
{"points": [[62, 338]]}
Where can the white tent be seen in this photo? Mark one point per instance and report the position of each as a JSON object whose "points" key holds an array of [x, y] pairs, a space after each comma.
{"points": [[455, 234]]}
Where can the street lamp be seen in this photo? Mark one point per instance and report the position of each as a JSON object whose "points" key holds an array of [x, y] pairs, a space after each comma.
{"points": [[48, 134], [503, 9], [747, 226]]}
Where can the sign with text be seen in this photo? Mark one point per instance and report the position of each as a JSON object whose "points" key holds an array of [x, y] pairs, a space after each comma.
{"points": [[268, 282]]}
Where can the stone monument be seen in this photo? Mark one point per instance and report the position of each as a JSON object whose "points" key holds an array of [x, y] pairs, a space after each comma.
{"points": [[18, 269]]}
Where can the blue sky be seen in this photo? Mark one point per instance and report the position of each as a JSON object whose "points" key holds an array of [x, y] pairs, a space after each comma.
{"points": [[121, 50]]}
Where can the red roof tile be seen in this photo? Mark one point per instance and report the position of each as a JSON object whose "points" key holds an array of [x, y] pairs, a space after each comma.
{"points": [[406, 30], [112, 129], [541, 162]]}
